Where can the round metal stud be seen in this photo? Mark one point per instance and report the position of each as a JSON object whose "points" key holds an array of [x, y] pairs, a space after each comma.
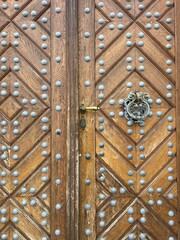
{"points": [[101, 71], [168, 3], [58, 206], [130, 219], [159, 202], [156, 26], [142, 219], [129, 85], [4, 34], [44, 3], [171, 223], [88, 232], [148, 26], [143, 211], [170, 178], [3, 43], [24, 26], [58, 10], [170, 213], [131, 211], [170, 169], [112, 14], [87, 181], [15, 236], [57, 232], [168, 37], [142, 236], [148, 14], [58, 156]]}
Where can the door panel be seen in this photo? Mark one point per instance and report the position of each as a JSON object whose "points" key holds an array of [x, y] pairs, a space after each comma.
{"points": [[128, 172], [33, 95]]}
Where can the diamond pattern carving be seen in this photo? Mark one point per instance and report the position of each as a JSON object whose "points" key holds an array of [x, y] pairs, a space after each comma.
{"points": [[10, 107], [25, 121], [135, 166]]}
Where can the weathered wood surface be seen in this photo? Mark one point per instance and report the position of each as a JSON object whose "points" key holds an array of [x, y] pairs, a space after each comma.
{"points": [[33, 116], [136, 169]]}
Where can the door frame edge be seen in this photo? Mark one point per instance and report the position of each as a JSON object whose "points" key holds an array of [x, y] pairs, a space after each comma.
{"points": [[177, 57], [72, 220]]}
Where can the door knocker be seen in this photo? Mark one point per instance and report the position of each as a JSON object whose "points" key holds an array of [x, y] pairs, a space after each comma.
{"points": [[137, 107]]}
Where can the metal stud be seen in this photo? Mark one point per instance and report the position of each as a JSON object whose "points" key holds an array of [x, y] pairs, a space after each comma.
{"points": [[3, 43], [130, 219], [87, 10], [44, 3], [87, 83], [131, 236], [156, 26], [148, 26], [170, 169], [33, 203], [58, 206], [58, 156], [142, 219], [4, 34], [15, 236], [159, 202], [170, 213], [88, 232], [150, 202], [87, 181], [101, 4], [143, 211], [159, 189], [24, 26], [142, 236], [170, 178], [168, 3], [111, 26], [131, 211], [150, 190], [57, 232], [58, 10], [168, 37]]}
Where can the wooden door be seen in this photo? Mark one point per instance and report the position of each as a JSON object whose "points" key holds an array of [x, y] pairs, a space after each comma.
{"points": [[123, 181], [129, 171], [33, 96]]}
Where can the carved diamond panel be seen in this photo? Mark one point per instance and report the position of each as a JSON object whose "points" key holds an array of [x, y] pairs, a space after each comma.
{"points": [[135, 166], [27, 40]]}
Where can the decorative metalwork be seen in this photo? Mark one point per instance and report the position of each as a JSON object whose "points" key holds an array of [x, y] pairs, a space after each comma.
{"points": [[83, 110], [137, 107]]}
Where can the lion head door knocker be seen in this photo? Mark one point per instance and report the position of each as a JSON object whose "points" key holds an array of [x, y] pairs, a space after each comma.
{"points": [[137, 107]]}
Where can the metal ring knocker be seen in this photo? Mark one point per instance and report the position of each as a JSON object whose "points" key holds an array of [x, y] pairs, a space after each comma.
{"points": [[137, 107]]}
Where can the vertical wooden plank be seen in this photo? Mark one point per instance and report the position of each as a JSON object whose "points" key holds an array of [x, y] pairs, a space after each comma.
{"points": [[59, 119], [73, 120], [87, 136], [177, 39]]}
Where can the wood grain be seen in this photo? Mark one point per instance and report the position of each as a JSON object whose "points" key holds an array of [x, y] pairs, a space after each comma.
{"points": [[177, 30], [86, 143], [135, 170], [59, 120]]}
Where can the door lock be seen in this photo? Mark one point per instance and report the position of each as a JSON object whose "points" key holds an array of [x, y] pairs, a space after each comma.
{"points": [[83, 110]]}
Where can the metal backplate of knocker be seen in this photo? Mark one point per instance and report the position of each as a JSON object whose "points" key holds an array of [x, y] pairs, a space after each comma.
{"points": [[137, 107]]}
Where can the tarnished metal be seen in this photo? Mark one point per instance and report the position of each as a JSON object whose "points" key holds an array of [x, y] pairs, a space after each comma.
{"points": [[93, 108], [137, 107], [83, 110]]}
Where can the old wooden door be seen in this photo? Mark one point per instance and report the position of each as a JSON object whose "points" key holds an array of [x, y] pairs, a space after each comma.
{"points": [[122, 183], [129, 171], [32, 96]]}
